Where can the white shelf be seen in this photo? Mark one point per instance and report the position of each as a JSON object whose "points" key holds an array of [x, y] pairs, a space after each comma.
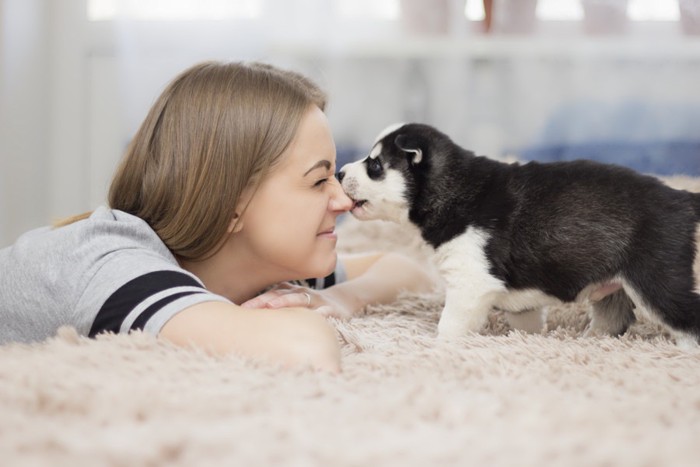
{"points": [[509, 47]]}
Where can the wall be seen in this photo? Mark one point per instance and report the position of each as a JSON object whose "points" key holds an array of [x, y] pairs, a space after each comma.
{"points": [[72, 92], [24, 117]]}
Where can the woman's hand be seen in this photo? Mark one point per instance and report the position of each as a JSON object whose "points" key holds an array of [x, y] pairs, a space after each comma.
{"points": [[371, 279], [285, 295]]}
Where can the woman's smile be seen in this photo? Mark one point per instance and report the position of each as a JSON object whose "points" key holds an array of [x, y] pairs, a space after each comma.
{"points": [[328, 233]]}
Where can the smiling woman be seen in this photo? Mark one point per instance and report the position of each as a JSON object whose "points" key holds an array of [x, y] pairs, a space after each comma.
{"points": [[285, 223], [226, 193]]}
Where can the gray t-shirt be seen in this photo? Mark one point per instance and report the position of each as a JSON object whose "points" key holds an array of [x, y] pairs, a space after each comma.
{"points": [[107, 273]]}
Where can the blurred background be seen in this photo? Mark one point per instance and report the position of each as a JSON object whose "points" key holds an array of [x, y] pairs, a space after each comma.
{"points": [[612, 80]]}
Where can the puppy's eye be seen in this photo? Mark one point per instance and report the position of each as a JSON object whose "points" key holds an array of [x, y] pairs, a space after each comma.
{"points": [[374, 168]]}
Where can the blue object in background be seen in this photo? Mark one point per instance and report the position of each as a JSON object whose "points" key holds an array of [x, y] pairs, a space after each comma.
{"points": [[346, 153], [660, 158], [661, 139]]}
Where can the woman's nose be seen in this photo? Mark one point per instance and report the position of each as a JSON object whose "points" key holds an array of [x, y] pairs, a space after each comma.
{"points": [[339, 200]]}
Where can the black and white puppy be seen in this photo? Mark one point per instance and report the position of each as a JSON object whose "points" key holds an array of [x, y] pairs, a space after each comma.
{"points": [[518, 237]]}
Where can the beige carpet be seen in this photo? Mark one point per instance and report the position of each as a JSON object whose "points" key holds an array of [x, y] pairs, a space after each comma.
{"points": [[497, 399]]}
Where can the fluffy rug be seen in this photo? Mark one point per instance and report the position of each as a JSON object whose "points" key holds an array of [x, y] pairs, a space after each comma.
{"points": [[501, 398]]}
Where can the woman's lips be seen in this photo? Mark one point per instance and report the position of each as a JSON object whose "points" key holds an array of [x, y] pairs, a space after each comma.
{"points": [[328, 233]]}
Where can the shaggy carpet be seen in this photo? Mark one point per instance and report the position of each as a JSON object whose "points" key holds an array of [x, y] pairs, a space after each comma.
{"points": [[501, 398]]}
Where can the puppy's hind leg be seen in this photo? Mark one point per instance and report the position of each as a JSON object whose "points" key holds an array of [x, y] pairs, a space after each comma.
{"points": [[611, 315]]}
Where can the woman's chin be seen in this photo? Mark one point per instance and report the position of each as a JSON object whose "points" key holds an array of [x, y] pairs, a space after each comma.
{"points": [[325, 268]]}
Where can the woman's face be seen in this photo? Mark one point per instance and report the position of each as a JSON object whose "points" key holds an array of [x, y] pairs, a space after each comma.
{"points": [[289, 225]]}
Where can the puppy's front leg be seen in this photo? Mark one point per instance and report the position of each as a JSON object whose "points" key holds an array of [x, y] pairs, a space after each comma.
{"points": [[470, 288], [465, 311]]}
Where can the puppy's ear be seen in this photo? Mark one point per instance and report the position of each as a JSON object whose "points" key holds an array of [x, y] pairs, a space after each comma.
{"points": [[411, 147]]}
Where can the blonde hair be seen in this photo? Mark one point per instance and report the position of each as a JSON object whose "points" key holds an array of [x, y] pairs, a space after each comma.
{"points": [[216, 130]]}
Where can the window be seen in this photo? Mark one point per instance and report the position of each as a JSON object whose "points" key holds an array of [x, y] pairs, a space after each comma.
{"points": [[653, 10], [559, 10], [163, 10], [376, 9], [572, 10]]}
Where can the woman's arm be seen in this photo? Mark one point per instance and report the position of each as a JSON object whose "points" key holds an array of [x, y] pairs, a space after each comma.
{"points": [[371, 278], [376, 279], [290, 336]]}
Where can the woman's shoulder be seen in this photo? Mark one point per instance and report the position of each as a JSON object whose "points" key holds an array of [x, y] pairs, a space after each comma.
{"points": [[74, 252], [107, 232], [123, 241], [103, 224], [119, 229]]}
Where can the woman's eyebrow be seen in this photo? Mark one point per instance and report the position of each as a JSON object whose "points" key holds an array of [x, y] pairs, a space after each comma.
{"points": [[321, 163]]}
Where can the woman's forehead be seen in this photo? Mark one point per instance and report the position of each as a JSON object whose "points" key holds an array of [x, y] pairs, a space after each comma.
{"points": [[313, 142]]}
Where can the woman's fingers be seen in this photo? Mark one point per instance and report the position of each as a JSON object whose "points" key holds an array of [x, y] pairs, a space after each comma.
{"points": [[299, 298], [252, 303], [332, 312], [289, 295], [326, 310], [280, 299], [256, 302], [261, 300]]}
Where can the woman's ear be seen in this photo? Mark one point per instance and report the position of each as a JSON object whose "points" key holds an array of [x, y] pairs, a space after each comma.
{"points": [[236, 224]]}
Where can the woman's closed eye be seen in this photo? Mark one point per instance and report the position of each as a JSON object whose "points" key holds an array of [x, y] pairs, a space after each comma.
{"points": [[327, 173], [330, 177], [321, 182]]}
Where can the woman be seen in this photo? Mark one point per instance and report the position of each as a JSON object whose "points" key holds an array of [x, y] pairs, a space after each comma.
{"points": [[226, 190]]}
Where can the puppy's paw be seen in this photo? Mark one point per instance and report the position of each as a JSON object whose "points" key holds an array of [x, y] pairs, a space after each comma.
{"points": [[595, 329], [449, 334], [591, 331], [603, 328], [455, 325], [685, 342]]}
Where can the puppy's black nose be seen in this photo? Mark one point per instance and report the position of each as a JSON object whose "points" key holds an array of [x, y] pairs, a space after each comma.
{"points": [[340, 176]]}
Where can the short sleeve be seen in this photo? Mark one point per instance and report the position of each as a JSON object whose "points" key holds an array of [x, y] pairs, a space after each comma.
{"points": [[130, 280], [109, 272], [148, 301]]}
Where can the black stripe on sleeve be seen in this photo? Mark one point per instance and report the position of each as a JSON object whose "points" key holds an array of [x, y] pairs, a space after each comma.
{"points": [[128, 296], [322, 282], [146, 314], [329, 280]]}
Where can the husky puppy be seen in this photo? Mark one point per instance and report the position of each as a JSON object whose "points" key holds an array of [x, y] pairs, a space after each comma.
{"points": [[518, 237]]}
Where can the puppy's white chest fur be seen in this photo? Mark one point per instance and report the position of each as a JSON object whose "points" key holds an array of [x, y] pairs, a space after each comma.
{"points": [[464, 260], [463, 264]]}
